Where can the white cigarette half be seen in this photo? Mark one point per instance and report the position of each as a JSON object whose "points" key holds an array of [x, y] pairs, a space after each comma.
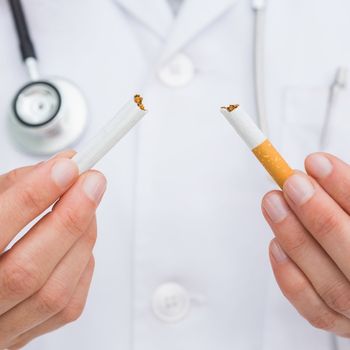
{"points": [[258, 143], [110, 134]]}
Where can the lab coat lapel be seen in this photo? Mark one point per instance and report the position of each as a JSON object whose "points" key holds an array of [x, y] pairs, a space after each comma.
{"points": [[194, 16], [154, 14]]}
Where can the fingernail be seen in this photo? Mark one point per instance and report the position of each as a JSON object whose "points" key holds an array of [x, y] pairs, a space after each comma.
{"points": [[277, 252], [275, 207], [299, 189], [64, 172], [319, 166], [94, 186]]}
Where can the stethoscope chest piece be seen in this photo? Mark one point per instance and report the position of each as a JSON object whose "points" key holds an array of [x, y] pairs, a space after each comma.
{"points": [[47, 116]]}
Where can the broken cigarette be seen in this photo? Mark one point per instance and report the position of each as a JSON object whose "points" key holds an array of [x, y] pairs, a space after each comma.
{"points": [[111, 134], [266, 153]]}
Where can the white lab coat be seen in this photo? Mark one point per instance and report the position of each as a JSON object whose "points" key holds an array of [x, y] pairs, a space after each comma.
{"points": [[183, 200]]}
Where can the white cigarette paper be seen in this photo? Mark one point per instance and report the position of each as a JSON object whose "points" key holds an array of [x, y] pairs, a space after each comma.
{"points": [[244, 125], [110, 134]]}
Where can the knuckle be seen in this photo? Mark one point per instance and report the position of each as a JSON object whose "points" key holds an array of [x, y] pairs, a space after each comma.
{"points": [[72, 312], [295, 243], [295, 290], [325, 321], [70, 221], [91, 238], [12, 176], [53, 300], [30, 198], [20, 279], [326, 224], [337, 297]]}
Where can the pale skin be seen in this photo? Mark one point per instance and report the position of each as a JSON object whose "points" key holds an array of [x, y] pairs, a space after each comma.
{"points": [[45, 276], [310, 254]]}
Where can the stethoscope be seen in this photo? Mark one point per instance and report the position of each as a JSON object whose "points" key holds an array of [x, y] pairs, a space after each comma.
{"points": [[338, 84], [46, 115]]}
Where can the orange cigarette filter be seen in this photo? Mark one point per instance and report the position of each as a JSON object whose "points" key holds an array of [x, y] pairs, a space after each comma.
{"points": [[262, 148], [273, 162]]}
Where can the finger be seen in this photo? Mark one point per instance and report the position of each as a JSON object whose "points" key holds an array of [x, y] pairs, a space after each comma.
{"points": [[326, 278], [333, 175], [56, 293], [12, 177], [15, 175], [70, 314], [321, 216], [298, 290], [27, 265], [29, 197]]}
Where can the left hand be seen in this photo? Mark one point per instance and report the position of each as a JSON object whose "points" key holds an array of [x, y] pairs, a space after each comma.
{"points": [[310, 255]]}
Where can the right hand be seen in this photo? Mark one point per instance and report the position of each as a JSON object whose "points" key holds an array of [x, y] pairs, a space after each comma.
{"points": [[45, 276]]}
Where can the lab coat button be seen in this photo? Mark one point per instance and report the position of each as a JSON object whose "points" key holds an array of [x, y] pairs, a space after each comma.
{"points": [[178, 72], [171, 302]]}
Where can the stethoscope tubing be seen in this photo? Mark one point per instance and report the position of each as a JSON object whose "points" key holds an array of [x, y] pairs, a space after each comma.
{"points": [[259, 9], [25, 42]]}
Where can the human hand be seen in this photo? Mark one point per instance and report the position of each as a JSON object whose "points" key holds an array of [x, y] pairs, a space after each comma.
{"points": [[45, 276], [310, 254]]}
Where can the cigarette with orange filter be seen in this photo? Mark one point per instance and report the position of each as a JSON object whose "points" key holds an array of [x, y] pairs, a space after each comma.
{"points": [[259, 144]]}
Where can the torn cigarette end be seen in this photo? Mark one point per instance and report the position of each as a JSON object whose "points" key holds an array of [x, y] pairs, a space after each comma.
{"points": [[138, 100], [231, 108]]}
